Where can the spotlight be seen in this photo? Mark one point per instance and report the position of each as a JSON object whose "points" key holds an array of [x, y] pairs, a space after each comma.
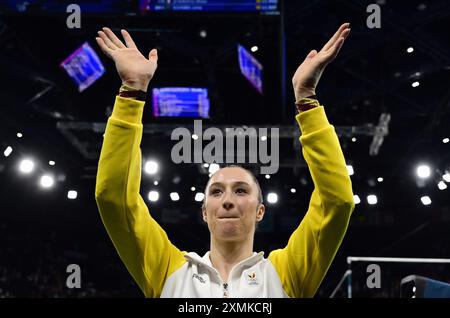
{"points": [[72, 194], [353, 139], [372, 199], [51, 163], [7, 151], [415, 84], [446, 177], [442, 185], [421, 7], [380, 179], [194, 136], [203, 34], [293, 190], [155, 183], [206, 165], [272, 198], [254, 48], [267, 176], [423, 171], [199, 196], [19, 135], [356, 199], [153, 196], [213, 168], [26, 166], [174, 196], [350, 170], [425, 200], [176, 179], [151, 167], [410, 50], [192, 189], [47, 181], [445, 140], [263, 138]]}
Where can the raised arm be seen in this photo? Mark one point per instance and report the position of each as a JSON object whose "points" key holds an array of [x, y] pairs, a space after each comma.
{"points": [[134, 69], [303, 263], [140, 242]]}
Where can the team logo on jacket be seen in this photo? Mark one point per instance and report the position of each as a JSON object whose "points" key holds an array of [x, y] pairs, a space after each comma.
{"points": [[252, 279], [200, 279]]}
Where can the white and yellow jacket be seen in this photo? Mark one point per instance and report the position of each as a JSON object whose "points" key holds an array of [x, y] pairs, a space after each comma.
{"points": [[162, 270]]}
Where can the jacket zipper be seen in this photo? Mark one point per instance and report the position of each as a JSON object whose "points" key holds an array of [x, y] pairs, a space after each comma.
{"points": [[225, 290]]}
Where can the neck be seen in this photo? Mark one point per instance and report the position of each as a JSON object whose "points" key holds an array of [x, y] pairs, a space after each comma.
{"points": [[225, 255]]}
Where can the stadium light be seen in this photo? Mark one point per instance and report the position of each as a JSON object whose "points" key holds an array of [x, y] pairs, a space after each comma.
{"points": [[272, 198], [26, 166], [151, 167]]}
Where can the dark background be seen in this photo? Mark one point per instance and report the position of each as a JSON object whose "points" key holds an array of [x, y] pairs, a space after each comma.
{"points": [[41, 231]]}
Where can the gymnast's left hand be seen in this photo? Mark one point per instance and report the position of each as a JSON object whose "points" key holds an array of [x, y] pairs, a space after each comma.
{"points": [[308, 74]]}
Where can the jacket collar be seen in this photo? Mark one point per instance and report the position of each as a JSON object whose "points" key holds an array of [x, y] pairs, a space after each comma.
{"points": [[206, 261]]}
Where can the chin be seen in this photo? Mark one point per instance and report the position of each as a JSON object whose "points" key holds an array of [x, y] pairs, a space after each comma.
{"points": [[230, 238], [231, 233]]}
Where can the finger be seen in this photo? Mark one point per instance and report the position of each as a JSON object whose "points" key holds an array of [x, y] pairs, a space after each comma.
{"points": [[343, 36], [113, 38], [153, 55], [331, 54], [104, 47], [128, 40], [311, 54], [107, 41], [335, 37], [334, 51]]}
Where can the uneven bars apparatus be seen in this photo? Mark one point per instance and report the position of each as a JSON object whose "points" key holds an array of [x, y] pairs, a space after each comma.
{"points": [[350, 259]]}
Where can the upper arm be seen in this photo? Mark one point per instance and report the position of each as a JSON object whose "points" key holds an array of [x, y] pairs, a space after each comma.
{"points": [[303, 263], [141, 243]]}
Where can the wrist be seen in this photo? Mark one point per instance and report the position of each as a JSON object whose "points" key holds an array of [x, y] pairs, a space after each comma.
{"points": [[303, 94], [132, 93], [137, 85], [306, 103]]}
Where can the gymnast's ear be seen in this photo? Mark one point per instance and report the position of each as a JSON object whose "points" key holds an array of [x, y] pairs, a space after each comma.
{"points": [[260, 212], [204, 212]]}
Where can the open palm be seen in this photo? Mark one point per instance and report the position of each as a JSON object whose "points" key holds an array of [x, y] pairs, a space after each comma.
{"points": [[134, 68], [309, 72]]}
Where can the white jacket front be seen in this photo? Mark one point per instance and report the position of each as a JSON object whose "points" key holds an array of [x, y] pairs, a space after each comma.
{"points": [[254, 277]]}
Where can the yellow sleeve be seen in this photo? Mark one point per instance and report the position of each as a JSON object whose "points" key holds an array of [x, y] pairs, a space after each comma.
{"points": [[139, 240], [303, 263]]}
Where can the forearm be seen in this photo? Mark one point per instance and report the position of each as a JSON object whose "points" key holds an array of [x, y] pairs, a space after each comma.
{"points": [[323, 154], [322, 230], [120, 149]]}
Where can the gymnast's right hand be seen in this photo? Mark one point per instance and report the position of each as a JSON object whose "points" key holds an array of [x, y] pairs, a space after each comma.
{"points": [[134, 69]]}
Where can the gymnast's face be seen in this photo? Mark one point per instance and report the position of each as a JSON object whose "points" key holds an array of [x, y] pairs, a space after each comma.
{"points": [[232, 206]]}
